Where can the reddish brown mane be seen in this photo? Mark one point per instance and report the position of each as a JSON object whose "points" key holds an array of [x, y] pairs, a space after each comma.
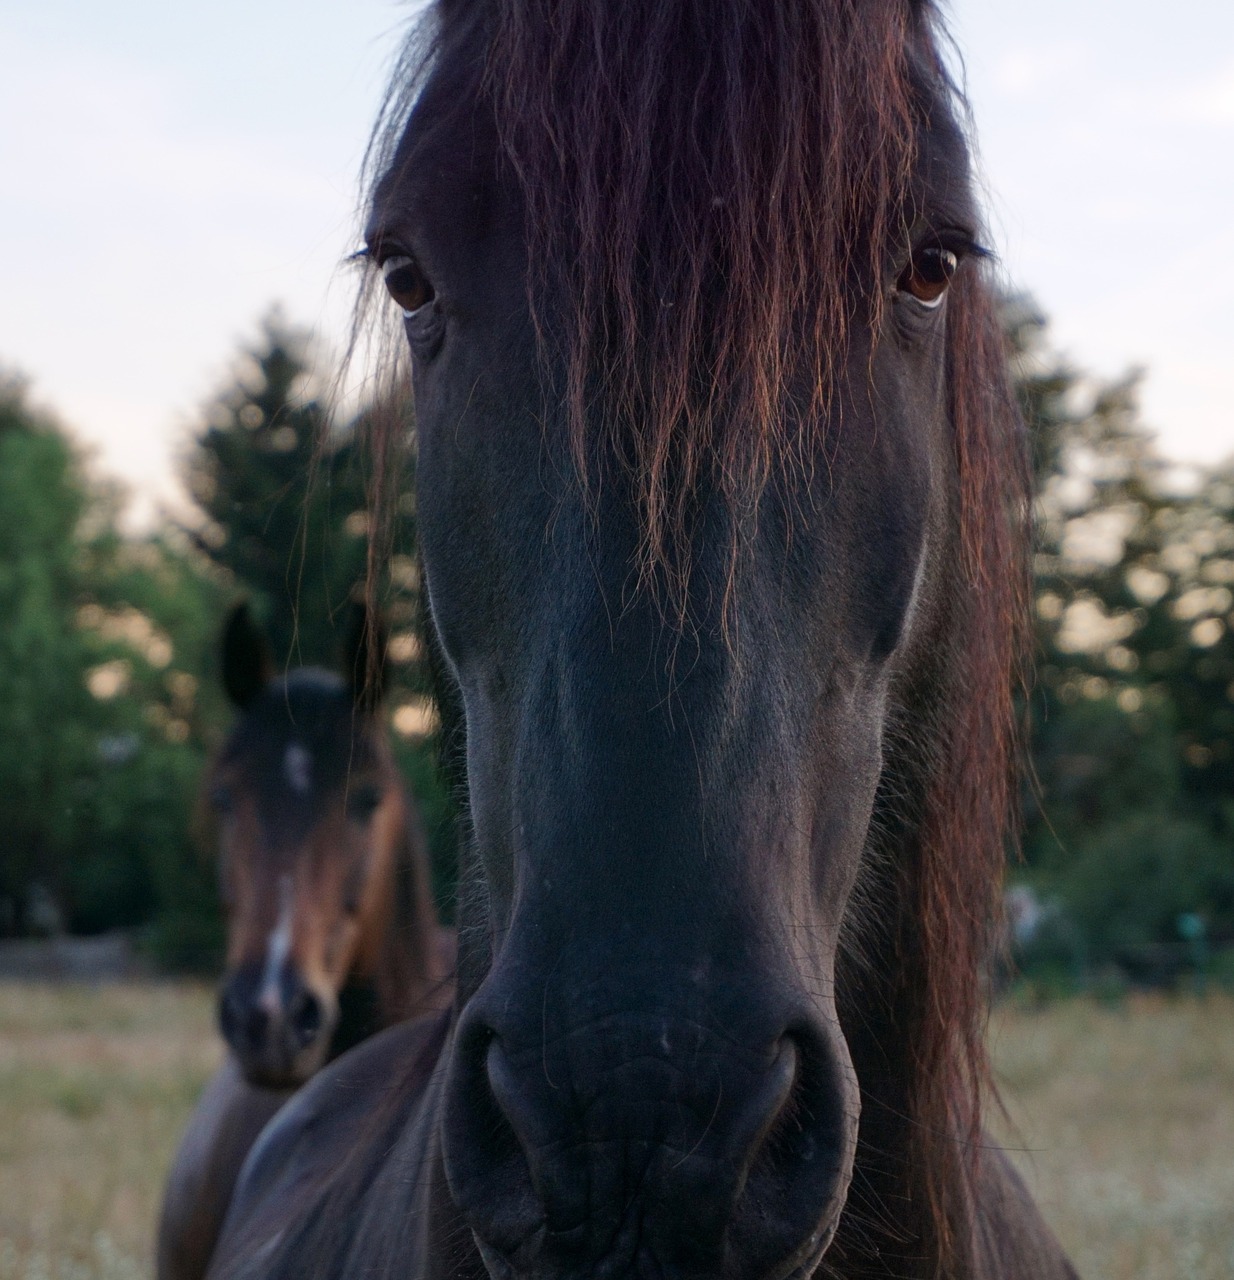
{"points": [[970, 807], [699, 258]]}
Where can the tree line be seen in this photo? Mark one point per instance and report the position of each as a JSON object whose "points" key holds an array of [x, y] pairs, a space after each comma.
{"points": [[110, 695], [1129, 800], [110, 700]]}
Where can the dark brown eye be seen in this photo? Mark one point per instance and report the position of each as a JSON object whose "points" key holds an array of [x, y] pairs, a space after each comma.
{"points": [[408, 285], [363, 802], [928, 274]]}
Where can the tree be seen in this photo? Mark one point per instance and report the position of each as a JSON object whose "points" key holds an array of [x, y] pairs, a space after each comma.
{"points": [[283, 488], [104, 719], [151, 617], [46, 714], [1132, 714], [283, 497]]}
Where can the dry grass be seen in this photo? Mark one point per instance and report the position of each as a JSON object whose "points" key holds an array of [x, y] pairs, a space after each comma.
{"points": [[1125, 1117], [95, 1085], [1125, 1122]]}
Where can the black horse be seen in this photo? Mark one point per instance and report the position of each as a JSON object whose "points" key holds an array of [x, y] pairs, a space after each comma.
{"points": [[723, 507]]}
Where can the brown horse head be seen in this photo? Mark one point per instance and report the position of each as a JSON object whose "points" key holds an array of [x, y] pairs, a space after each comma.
{"points": [[323, 869]]}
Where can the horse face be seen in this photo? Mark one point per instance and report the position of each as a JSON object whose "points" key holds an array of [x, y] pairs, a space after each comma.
{"points": [[669, 820], [309, 816]]}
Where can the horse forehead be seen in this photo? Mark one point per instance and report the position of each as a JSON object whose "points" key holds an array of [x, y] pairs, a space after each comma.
{"points": [[443, 172], [298, 767], [299, 744]]}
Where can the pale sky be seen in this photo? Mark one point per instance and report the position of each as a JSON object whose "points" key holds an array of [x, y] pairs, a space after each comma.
{"points": [[169, 171]]}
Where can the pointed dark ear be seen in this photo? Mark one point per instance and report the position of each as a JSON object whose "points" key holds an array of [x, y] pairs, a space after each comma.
{"points": [[364, 659], [246, 657]]}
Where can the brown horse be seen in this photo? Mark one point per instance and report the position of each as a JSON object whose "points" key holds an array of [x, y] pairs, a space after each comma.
{"points": [[723, 505], [332, 933]]}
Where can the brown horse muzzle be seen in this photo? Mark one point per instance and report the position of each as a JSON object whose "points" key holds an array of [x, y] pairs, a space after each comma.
{"points": [[278, 1027]]}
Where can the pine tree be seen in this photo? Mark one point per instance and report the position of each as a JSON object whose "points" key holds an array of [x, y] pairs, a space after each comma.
{"points": [[283, 498]]}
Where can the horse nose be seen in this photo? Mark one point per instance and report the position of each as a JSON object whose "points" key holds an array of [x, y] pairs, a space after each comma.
{"points": [[305, 1016], [595, 1152], [277, 1029], [243, 1022]]}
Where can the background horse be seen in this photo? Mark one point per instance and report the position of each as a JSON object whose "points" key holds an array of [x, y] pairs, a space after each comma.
{"points": [[723, 507], [332, 932]]}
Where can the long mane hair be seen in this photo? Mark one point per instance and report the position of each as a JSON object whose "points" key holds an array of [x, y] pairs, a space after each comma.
{"points": [[707, 185]]}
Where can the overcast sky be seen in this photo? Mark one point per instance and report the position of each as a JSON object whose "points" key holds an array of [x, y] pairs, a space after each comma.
{"points": [[168, 171]]}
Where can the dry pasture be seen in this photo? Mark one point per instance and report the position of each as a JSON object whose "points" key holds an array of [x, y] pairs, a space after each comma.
{"points": [[1122, 1118]]}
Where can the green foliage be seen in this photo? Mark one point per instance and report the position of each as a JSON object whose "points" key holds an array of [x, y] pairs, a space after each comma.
{"points": [[1130, 881], [102, 733], [282, 489], [1129, 821], [284, 501], [46, 719]]}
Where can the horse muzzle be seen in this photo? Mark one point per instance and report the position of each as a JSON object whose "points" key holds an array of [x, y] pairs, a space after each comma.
{"points": [[649, 1146], [278, 1030]]}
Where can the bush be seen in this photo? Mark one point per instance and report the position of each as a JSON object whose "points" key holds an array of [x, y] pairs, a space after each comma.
{"points": [[1128, 884]]}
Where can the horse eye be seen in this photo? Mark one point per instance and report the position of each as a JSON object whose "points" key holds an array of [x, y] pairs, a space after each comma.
{"points": [[362, 803], [408, 285], [928, 274]]}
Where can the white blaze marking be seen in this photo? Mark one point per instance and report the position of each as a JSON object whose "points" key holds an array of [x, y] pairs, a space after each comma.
{"points": [[298, 768], [278, 948]]}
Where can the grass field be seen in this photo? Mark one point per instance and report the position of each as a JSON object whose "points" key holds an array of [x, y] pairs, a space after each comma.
{"points": [[95, 1085], [1123, 1120]]}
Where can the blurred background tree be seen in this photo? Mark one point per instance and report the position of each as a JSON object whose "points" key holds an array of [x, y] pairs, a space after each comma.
{"points": [[278, 474], [1129, 823], [101, 733], [110, 698], [46, 713], [282, 497]]}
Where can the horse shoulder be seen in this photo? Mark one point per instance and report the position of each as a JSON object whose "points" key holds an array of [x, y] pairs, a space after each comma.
{"points": [[1014, 1241], [223, 1127], [316, 1137]]}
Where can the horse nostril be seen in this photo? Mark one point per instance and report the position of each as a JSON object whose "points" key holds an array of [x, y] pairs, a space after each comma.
{"points": [[229, 1017], [305, 1017], [736, 1156], [486, 1163], [254, 1027], [244, 1025]]}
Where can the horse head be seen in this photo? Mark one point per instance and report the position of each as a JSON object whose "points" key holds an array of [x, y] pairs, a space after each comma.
{"points": [[311, 820], [717, 495]]}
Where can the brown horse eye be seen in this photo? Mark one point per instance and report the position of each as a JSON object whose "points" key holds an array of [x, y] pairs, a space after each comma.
{"points": [[408, 285], [362, 803], [928, 274]]}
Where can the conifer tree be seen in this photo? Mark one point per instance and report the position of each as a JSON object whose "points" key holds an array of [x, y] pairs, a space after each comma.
{"points": [[283, 498]]}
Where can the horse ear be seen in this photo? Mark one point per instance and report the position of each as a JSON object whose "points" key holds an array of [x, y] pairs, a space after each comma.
{"points": [[365, 656], [246, 657]]}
